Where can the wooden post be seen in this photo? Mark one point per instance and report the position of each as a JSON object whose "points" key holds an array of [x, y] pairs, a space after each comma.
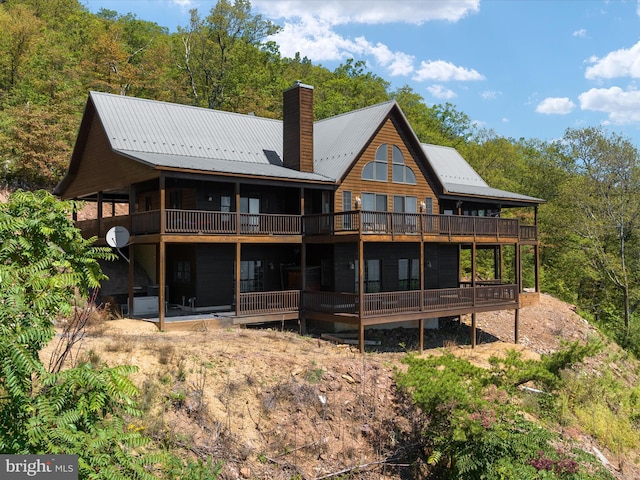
{"points": [[163, 205], [516, 333], [238, 270], [303, 287], [473, 330], [238, 227], [162, 252], [360, 292], [421, 329], [132, 275], [99, 214]]}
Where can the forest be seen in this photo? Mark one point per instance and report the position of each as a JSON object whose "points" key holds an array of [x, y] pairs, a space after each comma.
{"points": [[53, 52]]}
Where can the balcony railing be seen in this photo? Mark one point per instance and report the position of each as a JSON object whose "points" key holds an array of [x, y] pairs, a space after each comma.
{"points": [[364, 222], [393, 223], [413, 301], [252, 303]]}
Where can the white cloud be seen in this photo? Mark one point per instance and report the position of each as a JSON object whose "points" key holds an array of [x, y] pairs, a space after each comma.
{"points": [[373, 12], [555, 106], [490, 94], [580, 33], [619, 63], [438, 91], [623, 107], [182, 3], [442, 71], [505, 120]]}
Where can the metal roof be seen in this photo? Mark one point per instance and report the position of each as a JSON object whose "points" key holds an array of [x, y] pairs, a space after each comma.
{"points": [[458, 177], [182, 136]]}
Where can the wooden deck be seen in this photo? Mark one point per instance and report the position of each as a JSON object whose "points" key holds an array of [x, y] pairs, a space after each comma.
{"points": [[202, 222]]}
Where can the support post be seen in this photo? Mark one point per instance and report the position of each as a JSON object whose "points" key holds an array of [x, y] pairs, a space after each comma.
{"points": [[360, 292], [132, 275], [421, 334], [237, 287], [162, 253], [361, 336], [516, 333], [163, 204], [473, 330]]}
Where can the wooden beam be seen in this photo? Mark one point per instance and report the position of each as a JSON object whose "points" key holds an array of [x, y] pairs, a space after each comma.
{"points": [[163, 206], [473, 330], [237, 287], [421, 334], [132, 275], [516, 333], [162, 253], [361, 291], [361, 337]]}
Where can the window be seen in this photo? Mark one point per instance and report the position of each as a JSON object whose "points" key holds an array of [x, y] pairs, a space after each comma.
{"points": [[428, 205], [175, 199], [372, 280], [374, 202], [182, 273], [251, 276], [347, 220], [408, 274], [377, 170], [405, 205], [400, 172], [225, 203], [147, 203]]}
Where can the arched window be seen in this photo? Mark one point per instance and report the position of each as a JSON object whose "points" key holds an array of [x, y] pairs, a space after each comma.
{"points": [[400, 172], [377, 170]]}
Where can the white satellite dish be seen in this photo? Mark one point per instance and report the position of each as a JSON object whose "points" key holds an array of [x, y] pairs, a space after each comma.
{"points": [[117, 237]]}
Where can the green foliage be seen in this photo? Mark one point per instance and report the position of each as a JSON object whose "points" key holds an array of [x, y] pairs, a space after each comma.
{"points": [[474, 431], [44, 263]]}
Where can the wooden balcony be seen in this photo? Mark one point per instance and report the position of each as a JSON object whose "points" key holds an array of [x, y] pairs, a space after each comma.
{"points": [[391, 223], [414, 303], [206, 222], [252, 303]]}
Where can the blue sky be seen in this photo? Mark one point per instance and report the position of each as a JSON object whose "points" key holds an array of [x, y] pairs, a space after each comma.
{"points": [[522, 68]]}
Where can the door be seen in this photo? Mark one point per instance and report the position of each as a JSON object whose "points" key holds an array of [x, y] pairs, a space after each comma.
{"points": [[249, 210]]}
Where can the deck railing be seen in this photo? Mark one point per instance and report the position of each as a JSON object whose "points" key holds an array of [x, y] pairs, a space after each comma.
{"points": [[394, 223], [386, 303], [269, 302], [383, 223]]}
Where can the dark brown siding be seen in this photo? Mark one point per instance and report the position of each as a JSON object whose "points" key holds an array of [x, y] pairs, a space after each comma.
{"points": [[215, 272], [441, 266], [353, 182], [100, 169]]}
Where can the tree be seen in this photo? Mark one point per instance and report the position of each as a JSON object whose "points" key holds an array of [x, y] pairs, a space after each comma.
{"points": [[44, 264], [603, 200]]}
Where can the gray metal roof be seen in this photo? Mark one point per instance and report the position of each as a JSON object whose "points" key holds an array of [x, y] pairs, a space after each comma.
{"points": [[182, 136], [458, 177]]}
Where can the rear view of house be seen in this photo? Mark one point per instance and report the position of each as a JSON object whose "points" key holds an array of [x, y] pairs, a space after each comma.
{"points": [[346, 221]]}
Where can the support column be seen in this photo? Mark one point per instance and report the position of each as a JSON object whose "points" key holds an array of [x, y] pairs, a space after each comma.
{"points": [[162, 251], [303, 287], [360, 293], [516, 333], [422, 283], [237, 288], [163, 204], [473, 330], [99, 213], [421, 329], [132, 275]]}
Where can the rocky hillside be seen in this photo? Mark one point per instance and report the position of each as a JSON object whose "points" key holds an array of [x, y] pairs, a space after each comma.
{"points": [[277, 405]]}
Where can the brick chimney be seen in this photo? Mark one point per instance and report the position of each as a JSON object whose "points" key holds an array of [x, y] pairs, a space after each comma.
{"points": [[298, 127]]}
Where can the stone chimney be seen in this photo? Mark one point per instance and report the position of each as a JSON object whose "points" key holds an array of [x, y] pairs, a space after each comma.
{"points": [[298, 127]]}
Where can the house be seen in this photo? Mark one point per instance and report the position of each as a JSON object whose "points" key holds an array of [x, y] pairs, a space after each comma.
{"points": [[347, 221]]}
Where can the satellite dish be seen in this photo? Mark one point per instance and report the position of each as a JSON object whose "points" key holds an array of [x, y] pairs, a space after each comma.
{"points": [[117, 237]]}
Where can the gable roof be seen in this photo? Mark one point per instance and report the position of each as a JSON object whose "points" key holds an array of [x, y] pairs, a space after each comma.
{"points": [[175, 136], [170, 135], [459, 178]]}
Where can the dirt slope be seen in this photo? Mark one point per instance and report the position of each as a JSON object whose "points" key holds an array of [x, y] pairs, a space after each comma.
{"points": [[276, 405]]}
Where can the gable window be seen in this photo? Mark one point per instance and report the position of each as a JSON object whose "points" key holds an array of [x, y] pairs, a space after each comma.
{"points": [[377, 170], [428, 205], [408, 274], [347, 220], [400, 172]]}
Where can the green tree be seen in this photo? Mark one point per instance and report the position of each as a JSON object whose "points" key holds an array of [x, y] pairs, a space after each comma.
{"points": [[208, 49], [603, 200], [44, 264]]}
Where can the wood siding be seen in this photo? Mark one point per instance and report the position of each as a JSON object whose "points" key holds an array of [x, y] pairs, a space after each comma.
{"points": [[101, 169], [354, 183]]}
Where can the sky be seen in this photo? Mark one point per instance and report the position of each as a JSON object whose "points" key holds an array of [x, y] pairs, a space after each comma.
{"points": [[520, 68]]}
